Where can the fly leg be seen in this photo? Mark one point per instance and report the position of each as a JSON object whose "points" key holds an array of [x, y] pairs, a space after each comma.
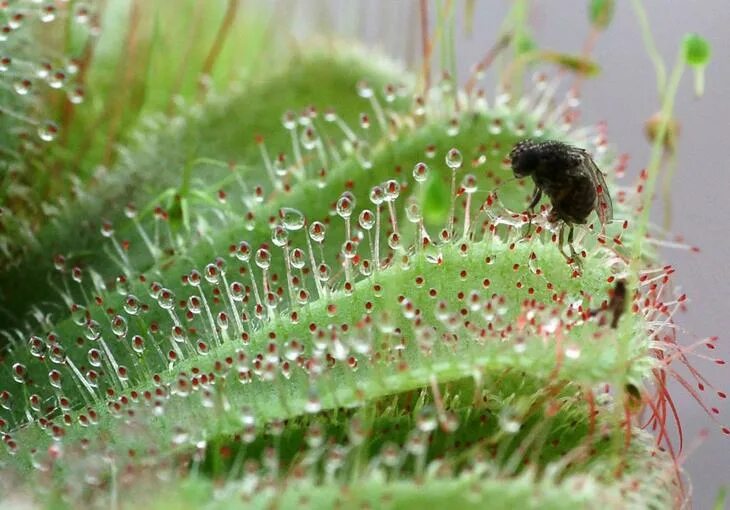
{"points": [[571, 258], [536, 196], [561, 241], [573, 254]]}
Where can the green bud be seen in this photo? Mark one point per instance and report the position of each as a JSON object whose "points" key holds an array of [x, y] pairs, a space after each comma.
{"points": [[573, 63], [524, 43], [696, 50], [600, 13]]}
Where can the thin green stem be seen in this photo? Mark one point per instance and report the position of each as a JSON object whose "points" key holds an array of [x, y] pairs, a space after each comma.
{"points": [[650, 45], [657, 150]]}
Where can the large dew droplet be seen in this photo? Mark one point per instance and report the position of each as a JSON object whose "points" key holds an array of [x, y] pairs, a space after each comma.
{"points": [[291, 218]]}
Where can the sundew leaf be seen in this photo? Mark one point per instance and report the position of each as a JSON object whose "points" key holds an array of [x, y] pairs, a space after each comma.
{"points": [[206, 138], [320, 290]]}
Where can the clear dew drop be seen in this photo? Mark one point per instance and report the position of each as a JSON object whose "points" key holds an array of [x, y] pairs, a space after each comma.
{"points": [[180, 435], [413, 210], [212, 274], [6, 400], [323, 273], [366, 268], [54, 378], [317, 232], [366, 219], [119, 326], [426, 421], [19, 372], [297, 258], [194, 304], [291, 218], [138, 344], [309, 138], [280, 168], [391, 190], [92, 330], [81, 15], [107, 229], [243, 251], [454, 159], [289, 120], [48, 131], [58, 355], [56, 79], [76, 95], [453, 126], [36, 346], [237, 291], [389, 92], [469, 184], [508, 421], [247, 416], [313, 404], [15, 21], [279, 236], [47, 13], [303, 297], [94, 357], [131, 304], [166, 299], [263, 258], [419, 106], [394, 241], [364, 89], [349, 249], [222, 320], [178, 334], [377, 195], [364, 121], [416, 443], [420, 172], [345, 206]]}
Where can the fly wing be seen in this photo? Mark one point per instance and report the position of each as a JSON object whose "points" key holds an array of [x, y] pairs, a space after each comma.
{"points": [[604, 206]]}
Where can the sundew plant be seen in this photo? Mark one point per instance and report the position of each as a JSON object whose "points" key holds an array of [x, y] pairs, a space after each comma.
{"points": [[239, 270]]}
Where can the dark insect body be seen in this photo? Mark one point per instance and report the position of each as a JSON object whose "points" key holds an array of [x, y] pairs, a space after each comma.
{"points": [[569, 177]]}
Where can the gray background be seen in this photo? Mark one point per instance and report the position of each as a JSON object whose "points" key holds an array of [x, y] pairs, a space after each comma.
{"points": [[624, 95]]}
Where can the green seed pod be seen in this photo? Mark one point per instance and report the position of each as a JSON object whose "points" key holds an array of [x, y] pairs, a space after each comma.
{"points": [[600, 13], [696, 50]]}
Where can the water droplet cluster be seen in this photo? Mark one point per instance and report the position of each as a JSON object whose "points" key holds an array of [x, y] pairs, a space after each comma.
{"points": [[37, 83]]}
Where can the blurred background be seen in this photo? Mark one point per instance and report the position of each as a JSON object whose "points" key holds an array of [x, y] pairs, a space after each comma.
{"points": [[625, 96]]}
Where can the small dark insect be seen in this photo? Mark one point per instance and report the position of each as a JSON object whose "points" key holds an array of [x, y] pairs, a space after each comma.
{"points": [[616, 303], [633, 397], [569, 177]]}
